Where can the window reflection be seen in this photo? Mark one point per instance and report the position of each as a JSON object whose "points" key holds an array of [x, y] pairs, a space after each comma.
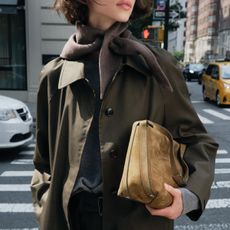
{"points": [[12, 48]]}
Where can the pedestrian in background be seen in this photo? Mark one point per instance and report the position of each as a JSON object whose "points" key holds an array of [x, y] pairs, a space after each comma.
{"points": [[88, 99]]}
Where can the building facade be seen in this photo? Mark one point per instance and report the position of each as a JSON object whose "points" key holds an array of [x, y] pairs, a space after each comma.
{"points": [[191, 30], [176, 39], [224, 28], [207, 30], [31, 34]]}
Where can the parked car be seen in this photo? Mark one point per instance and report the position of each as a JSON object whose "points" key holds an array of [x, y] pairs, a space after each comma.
{"points": [[16, 123], [193, 71], [216, 83]]}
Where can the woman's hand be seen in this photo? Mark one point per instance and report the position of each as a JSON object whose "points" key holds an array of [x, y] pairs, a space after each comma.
{"points": [[174, 211]]}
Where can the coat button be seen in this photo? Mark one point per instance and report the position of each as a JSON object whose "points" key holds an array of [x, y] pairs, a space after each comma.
{"points": [[113, 154], [109, 112]]}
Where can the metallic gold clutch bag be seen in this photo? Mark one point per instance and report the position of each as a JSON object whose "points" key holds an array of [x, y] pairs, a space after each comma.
{"points": [[153, 158]]}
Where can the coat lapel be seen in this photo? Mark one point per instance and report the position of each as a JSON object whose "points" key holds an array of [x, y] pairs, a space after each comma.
{"points": [[71, 72]]}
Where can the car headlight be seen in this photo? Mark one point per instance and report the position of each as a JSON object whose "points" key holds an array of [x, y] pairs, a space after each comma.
{"points": [[6, 115], [191, 71], [226, 86]]}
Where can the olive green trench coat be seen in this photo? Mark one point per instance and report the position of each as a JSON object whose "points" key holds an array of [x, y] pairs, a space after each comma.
{"points": [[65, 112]]}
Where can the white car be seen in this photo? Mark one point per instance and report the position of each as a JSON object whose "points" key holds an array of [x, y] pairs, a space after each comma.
{"points": [[16, 123]]}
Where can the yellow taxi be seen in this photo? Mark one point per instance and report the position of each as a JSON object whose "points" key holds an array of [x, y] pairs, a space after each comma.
{"points": [[216, 83]]}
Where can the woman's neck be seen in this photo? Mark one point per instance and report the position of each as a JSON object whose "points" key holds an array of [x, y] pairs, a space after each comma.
{"points": [[100, 22]]}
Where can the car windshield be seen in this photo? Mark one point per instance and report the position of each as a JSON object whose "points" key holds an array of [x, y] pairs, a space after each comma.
{"points": [[225, 71], [196, 66]]}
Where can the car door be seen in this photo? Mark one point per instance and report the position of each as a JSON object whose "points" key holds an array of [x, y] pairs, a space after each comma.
{"points": [[214, 81], [207, 82]]}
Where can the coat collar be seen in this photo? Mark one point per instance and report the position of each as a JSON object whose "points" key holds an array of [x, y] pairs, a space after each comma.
{"points": [[74, 70], [71, 72]]}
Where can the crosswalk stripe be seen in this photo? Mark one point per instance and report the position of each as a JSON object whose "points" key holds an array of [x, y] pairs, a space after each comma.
{"points": [[196, 102], [217, 114], [222, 171], [222, 160], [19, 229], [224, 226], [222, 151], [15, 207], [221, 184], [26, 187], [27, 153], [218, 203], [205, 120], [17, 173], [22, 207], [228, 110], [14, 187], [32, 145], [22, 162]]}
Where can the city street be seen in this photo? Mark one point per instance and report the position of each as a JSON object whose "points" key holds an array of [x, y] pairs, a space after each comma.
{"points": [[217, 122], [16, 168]]}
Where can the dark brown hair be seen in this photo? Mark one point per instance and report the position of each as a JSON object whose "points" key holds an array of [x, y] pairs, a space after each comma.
{"points": [[77, 10]]}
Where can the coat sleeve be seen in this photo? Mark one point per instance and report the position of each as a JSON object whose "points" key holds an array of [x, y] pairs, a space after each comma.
{"points": [[183, 122], [41, 178]]}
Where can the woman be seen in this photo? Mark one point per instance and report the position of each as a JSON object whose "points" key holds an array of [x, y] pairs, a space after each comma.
{"points": [[88, 99]]}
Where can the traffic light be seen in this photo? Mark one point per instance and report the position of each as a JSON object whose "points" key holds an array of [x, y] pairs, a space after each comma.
{"points": [[155, 33], [160, 34], [146, 33]]}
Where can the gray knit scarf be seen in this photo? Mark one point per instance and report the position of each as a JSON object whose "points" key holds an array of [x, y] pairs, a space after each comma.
{"points": [[112, 45]]}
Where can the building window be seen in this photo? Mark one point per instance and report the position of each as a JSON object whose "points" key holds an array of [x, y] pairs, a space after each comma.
{"points": [[211, 31], [212, 18], [213, 6], [193, 27], [12, 48], [209, 42], [194, 8]]}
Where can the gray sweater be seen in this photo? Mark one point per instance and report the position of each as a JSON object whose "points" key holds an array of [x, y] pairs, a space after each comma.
{"points": [[90, 176]]}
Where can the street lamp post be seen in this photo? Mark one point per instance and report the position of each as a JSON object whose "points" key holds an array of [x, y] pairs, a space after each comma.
{"points": [[167, 6]]}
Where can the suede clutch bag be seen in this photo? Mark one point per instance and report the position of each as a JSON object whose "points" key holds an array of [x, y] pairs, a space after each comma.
{"points": [[153, 158]]}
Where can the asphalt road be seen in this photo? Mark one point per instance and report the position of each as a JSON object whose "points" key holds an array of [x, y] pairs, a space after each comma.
{"points": [[217, 122], [16, 211]]}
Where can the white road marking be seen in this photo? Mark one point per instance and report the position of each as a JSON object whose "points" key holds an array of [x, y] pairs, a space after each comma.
{"points": [[222, 171], [222, 160], [27, 153], [221, 184], [22, 162], [218, 203], [17, 173], [15, 207], [14, 187], [217, 114], [228, 110], [205, 120], [19, 229], [222, 151], [32, 145], [224, 226], [196, 102]]}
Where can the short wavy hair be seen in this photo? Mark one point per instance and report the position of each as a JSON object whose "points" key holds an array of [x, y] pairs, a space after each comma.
{"points": [[77, 10]]}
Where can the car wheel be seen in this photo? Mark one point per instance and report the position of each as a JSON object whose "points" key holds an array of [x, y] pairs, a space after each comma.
{"points": [[218, 99], [204, 97]]}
